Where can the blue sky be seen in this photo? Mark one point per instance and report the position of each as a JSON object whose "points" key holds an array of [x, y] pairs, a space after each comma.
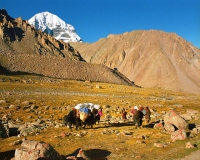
{"points": [[95, 19]]}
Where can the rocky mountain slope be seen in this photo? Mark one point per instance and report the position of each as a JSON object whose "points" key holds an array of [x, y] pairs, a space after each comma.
{"points": [[53, 25], [25, 49], [149, 58]]}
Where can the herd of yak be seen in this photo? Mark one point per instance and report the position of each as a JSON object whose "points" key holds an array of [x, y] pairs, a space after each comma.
{"points": [[82, 115]]}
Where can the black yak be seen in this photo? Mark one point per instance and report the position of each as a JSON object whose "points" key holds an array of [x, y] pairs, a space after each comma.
{"points": [[72, 119]]}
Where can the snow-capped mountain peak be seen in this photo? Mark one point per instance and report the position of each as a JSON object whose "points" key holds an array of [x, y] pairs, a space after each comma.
{"points": [[53, 25]]}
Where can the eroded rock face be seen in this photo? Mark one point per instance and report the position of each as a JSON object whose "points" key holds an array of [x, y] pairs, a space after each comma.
{"points": [[171, 117], [149, 58]]}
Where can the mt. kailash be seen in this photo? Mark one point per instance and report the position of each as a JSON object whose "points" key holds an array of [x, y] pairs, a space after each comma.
{"points": [[53, 25]]}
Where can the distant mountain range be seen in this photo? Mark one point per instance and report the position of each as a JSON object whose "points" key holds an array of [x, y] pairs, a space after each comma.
{"points": [[25, 49], [53, 25], [150, 59]]}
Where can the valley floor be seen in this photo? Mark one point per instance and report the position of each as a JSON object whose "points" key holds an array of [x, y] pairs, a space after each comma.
{"points": [[50, 99]]}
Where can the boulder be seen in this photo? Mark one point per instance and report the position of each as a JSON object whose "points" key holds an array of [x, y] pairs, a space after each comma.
{"points": [[25, 103], [158, 126], [32, 150], [189, 145], [82, 155], [169, 127], [160, 145], [178, 135], [173, 118]]}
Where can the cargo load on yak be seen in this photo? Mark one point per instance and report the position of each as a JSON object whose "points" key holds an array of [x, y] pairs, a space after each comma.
{"points": [[84, 113], [83, 105], [85, 109], [90, 106]]}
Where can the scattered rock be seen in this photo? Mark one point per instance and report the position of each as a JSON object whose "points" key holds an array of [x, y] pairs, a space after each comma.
{"points": [[12, 106], [195, 131], [34, 106], [17, 142], [178, 105], [82, 154], [158, 126], [25, 103], [46, 107], [189, 145], [160, 145], [99, 87], [2, 101], [127, 132], [192, 111], [139, 142], [64, 134], [29, 130]]}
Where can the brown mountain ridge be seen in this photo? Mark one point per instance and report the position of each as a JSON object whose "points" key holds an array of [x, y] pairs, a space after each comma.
{"points": [[25, 49], [149, 58]]}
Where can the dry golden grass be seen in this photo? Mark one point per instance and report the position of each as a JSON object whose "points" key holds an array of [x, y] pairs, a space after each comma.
{"points": [[43, 91]]}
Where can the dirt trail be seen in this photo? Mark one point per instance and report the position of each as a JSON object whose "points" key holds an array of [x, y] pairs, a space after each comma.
{"points": [[194, 156]]}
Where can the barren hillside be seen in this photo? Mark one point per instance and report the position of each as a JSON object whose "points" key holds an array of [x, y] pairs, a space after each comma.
{"points": [[25, 49], [149, 58]]}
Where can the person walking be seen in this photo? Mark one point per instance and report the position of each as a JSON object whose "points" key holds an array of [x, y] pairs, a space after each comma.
{"points": [[124, 113], [136, 116], [147, 115], [141, 115]]}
